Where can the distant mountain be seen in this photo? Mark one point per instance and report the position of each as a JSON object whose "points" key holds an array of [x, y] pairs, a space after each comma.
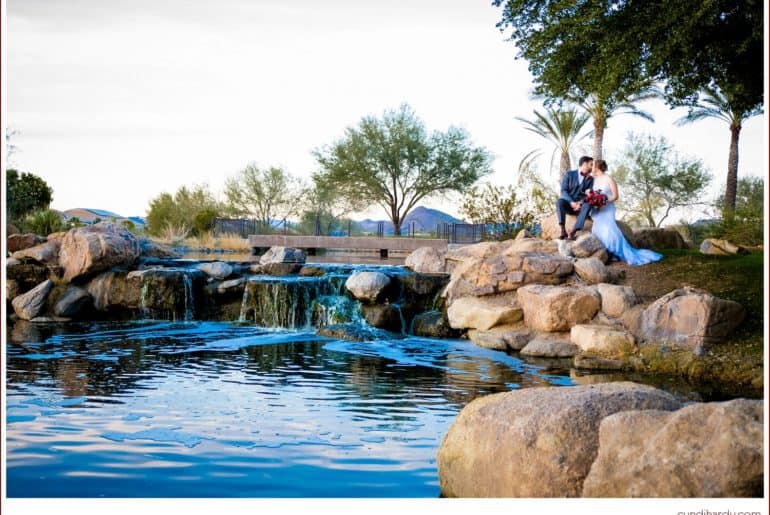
{"points": [[425, 220]]}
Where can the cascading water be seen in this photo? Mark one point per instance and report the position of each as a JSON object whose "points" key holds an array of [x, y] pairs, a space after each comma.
{"points": [[188, 297], [298, 302]]}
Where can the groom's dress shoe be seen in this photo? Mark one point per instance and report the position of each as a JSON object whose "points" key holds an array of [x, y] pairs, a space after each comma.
{"points": [[571, 235], [563, 236]]}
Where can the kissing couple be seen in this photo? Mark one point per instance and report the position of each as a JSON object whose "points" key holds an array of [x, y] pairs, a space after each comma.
{"points": [[590, 190]]}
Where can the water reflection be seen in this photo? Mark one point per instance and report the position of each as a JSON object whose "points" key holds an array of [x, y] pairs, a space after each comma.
{"points": [[146, 409]]}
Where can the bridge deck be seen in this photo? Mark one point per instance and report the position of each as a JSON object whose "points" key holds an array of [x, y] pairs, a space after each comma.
{"points": [[344, 242]]}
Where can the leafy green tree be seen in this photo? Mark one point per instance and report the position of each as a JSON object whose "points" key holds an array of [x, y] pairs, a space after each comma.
{"points": [[268, 194], [392, 162], [746, 223], [25, 193], [179, 211], [601, 108], [562, 128], [324, 211], [716, 104], [498, 208], [610, 48], [653, 179], [535, 194]]}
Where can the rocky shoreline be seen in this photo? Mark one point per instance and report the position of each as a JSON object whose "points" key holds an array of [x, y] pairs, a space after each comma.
{"points": [[539, 297]]}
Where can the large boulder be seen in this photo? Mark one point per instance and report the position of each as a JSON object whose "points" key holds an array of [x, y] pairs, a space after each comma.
{"points": [[587, 245], [483, 312], [550, 345], [655, 238], [384, 316], [534, 442], [153, 249], [716, 247], [531, 245], [216, 270], [690, 318], [591, 270], [368, 286], [427, 260], [702, 450], [603, 341], [500, 273], [550, 229], [17, 242], [46, 252], [556, 308], [31, 304], [72, 302], [616, 299], [282, 255], [88, 250], [433, 324], [502, 337]]}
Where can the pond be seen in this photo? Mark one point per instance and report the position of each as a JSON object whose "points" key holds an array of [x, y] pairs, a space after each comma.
{"points": [[220, 409]]}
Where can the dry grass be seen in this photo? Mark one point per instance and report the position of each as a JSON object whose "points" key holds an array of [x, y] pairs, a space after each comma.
{"points": [[226, 241], [174, 234]]}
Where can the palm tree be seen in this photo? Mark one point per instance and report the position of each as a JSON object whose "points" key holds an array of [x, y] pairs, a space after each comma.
{"points": [[601, 109], [561, 127], [716, 104]]}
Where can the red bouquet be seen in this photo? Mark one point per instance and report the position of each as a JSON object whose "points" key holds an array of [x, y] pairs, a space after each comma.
{"points": [[596, 199]]}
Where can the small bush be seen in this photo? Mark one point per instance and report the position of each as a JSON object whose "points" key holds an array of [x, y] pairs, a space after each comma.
{"points": [[44, 222], [203, 221]]}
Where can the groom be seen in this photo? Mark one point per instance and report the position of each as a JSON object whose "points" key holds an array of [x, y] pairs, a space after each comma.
{"points": [[574, 185]]}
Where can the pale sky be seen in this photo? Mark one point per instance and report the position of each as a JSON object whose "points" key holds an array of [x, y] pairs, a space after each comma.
{"points": [[117, 101]]}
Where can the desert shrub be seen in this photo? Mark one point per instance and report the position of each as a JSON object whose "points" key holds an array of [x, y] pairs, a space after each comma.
{"points": [[44, 222]]}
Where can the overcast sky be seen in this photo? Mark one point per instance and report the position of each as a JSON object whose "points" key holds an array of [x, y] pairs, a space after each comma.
{"points": [[116, 101]]}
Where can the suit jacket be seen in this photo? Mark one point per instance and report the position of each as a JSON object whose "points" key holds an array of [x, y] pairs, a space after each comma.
{"points": [[573, 186]]}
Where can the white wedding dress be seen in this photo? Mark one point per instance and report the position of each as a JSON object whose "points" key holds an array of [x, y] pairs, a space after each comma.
{"points": [[606, 229]]}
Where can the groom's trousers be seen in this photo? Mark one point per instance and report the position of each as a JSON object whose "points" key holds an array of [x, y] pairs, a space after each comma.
{"points": [[563, 209]]}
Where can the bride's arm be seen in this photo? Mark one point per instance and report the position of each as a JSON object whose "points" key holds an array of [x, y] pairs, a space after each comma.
{"points": [[613, 196]]}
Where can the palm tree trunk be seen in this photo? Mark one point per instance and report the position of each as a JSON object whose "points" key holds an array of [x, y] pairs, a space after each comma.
{"points": [[732, 169], [564, 165], [598, 139]]}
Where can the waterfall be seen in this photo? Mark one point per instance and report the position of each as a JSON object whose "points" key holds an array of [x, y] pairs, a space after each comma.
{"points": [[298, 302], [188, 297]]}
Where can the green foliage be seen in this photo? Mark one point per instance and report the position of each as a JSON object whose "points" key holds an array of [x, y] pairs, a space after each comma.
{"points": [[75, 222], [609, 48], [43, 222], [562, 128], [25, 193], [323, 208], [128, 224], [536, 195], [179, 210], [744, 226], [723, 106], [394, 163], [653, 179], [498, 208], [268, 194], [204, 220]]}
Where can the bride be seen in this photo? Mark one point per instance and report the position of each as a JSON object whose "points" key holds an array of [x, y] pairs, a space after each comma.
{"points": [[606, 228]]}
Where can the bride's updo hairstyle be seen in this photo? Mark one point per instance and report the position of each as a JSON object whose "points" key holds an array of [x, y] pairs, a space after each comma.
{"points": [[601, 164]]}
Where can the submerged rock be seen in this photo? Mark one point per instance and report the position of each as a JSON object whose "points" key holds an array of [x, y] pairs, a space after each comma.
{"points": [[72, 302], [368, 286], [282, 255], [433, 324], [353, 332]]}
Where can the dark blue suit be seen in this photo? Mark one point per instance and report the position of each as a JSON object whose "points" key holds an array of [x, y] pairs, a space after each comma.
{"points": [[573, 188]]}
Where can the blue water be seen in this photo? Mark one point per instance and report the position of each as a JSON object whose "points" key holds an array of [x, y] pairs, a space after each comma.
{"points": [[215, 409]]}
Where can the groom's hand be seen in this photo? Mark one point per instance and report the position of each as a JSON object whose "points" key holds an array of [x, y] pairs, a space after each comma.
{"points": [[575, 205]]}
